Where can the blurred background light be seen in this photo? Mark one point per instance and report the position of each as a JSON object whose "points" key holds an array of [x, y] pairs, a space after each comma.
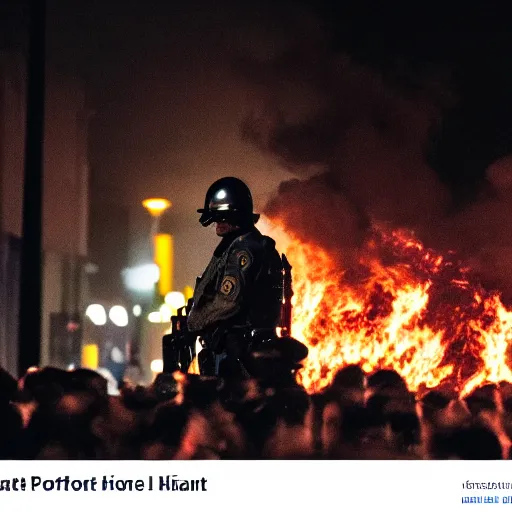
{"points": [[97, 314], [142, 278], [157, 366], [118, 315], [175, 300], [165, 313]]}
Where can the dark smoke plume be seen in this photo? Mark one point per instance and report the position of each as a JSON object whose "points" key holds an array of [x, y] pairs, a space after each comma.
{"points": [[357, 140]]}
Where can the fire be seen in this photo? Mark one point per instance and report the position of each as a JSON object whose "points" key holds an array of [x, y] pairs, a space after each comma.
{"points": [[409, 308]]}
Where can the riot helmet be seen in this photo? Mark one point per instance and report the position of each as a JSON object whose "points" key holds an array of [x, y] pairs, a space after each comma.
{"points": [[228, 200]]}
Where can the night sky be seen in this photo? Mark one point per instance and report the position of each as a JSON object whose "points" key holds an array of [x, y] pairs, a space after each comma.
{"points": [[186, 93], [469, 47]]}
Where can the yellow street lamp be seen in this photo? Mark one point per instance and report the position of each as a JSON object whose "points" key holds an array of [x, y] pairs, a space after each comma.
{"points": [[162, 243], [156, 206]]}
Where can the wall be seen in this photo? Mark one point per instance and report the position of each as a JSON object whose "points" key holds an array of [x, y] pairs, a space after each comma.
{"points": [[66, 183]]}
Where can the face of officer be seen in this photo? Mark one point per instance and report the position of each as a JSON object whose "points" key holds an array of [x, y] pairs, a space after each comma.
{"points": [[223, 228]]}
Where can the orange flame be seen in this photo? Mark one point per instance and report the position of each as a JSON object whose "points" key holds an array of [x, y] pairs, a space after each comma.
{"points": [[411, 309]]}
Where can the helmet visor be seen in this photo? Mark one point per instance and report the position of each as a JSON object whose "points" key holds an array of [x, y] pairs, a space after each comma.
{"points": [[210, 216]]}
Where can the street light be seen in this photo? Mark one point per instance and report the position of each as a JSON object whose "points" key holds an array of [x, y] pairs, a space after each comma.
{"points": [[162, 248], [162, 243], [156, 206]]}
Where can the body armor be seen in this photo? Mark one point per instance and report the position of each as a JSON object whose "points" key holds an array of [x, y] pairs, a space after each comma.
{"points": [[241, 286]]}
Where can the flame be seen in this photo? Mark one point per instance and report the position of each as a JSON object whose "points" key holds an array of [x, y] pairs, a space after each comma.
{"points": [[194, 365], [409, 308]]}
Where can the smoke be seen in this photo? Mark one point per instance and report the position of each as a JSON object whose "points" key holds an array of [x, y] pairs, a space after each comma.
{"points": [[482, 230], [357, 139]]}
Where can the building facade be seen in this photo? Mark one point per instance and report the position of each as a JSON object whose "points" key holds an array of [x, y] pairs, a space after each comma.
{"points": [[65, 209]]}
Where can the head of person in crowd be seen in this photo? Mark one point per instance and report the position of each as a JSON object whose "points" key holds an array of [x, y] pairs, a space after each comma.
{"points": [[292, 417], [466, 443], [56, 414]]}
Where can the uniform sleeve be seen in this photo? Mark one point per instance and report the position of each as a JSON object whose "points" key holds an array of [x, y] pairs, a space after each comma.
{"points": [[241, 269], [234, 284]]}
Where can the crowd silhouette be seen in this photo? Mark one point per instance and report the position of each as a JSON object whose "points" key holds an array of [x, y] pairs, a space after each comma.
{"points": [[56, 414]]}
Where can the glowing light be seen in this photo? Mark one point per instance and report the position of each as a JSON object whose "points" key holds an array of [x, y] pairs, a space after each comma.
{"points": [[155, 317], [175, 300], [137, 310], [188, 292], [142, 278], [97, 314], [162, 316], [164, 258], [156, 205], [157, 366], [118, 316], [90, 356], [117, 355], [194, 365], [165, 313]]}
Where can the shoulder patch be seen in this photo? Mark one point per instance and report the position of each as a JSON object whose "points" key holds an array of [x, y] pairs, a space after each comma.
{"points": [[243, 258], [228, 285]]}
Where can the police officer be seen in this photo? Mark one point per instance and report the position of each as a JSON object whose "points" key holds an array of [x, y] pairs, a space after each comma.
{"points": [[240, 290]]}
